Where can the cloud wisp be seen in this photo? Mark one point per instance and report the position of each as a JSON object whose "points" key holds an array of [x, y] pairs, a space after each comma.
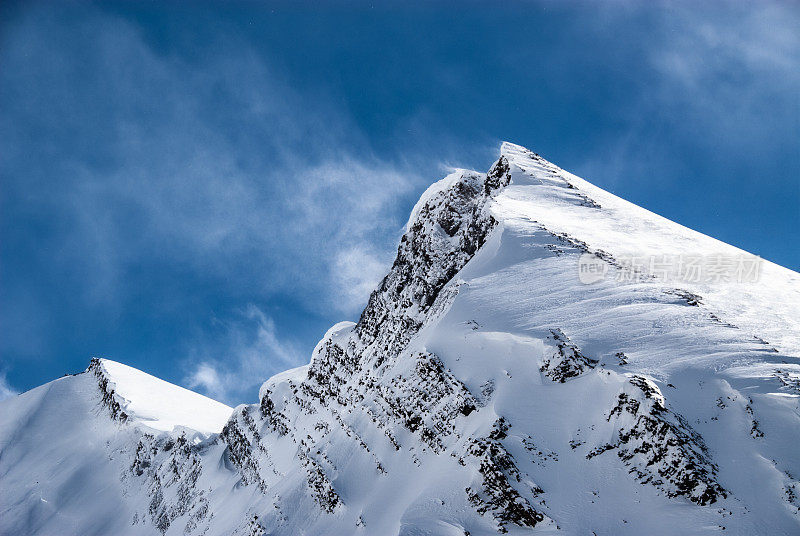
{"points": [[715, 75], [6, 390], [220, 191], [245, 351]]}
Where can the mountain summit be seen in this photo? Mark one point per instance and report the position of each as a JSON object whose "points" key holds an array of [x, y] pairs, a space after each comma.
{"points": [[542, 357]]}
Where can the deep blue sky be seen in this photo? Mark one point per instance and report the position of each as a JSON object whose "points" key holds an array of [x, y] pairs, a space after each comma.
{"points": [[201, 190]]}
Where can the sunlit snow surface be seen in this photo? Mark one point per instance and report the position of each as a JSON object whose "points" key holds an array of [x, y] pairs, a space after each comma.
{"points": [[163, 406], [540, 192], [721, 357]]}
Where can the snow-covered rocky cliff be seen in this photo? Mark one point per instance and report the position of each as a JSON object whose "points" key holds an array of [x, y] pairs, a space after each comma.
{"points": [[543, 357]]}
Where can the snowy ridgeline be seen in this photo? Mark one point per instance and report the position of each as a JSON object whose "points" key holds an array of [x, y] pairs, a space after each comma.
{"points": [[542, 357]]}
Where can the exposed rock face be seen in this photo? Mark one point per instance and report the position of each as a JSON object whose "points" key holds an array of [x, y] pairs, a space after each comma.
{"points": [[448, 229], [367, 373], [567, 361], [107, 393], [499, 479], [169, 470], [241, 435], [659, 446]]}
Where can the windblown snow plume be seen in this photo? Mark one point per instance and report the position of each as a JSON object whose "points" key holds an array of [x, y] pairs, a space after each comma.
{"points": [[542, 357]]}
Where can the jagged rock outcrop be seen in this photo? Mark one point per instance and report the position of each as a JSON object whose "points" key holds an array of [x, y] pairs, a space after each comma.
{"points": [[368, 372], [567, 361], [445, 231], [659, 446], [169, 469], [496, 492], [107, 393]]}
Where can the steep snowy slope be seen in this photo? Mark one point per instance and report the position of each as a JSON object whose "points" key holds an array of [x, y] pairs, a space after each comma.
{"points": [[543, 357]]}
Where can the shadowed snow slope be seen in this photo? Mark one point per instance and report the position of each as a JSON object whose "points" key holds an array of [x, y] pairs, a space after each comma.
{"points": [[543, 357]]}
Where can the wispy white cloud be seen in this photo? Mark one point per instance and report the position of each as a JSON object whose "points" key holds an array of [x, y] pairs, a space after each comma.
{"points": [[207, 379], [280, 183], [357, 271], [725, 69], [246, 351], [6, 390], [725, 66], [754, 41]]}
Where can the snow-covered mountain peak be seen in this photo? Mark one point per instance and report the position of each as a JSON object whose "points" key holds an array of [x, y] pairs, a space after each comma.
{"points": [[512, 150], [630, 243], [523, 159], [137, 397]]}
